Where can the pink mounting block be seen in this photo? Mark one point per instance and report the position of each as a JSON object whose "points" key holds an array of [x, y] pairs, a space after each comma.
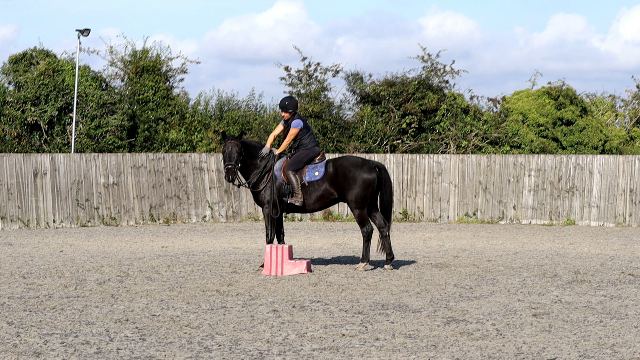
{"points": [[278, 261]]}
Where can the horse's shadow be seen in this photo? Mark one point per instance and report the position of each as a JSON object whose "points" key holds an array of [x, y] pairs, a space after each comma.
{"points": [[354, 260]]}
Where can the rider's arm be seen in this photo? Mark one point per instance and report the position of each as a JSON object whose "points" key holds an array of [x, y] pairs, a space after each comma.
{"points": [[274, 133], [292, 135]]}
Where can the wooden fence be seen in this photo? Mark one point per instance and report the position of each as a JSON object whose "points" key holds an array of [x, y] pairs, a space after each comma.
{"points": [[69, 190]]}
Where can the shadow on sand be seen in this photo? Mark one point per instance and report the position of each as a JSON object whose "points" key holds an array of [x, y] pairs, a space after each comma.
{"points": [[355, 260]]}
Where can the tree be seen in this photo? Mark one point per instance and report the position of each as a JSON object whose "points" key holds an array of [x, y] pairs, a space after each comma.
{"points": [[463, 127], [392, 113], [152, 101], [212, 112], [37, 102], [6, 137], [403, 112], [100, 127], [311, 85], [436, 73], [38, 105], [554, 120], [632, 118], [621, 115]]}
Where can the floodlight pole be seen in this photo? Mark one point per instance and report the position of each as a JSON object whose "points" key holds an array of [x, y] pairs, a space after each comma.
{"points": [[81, 32], [75, 101]]}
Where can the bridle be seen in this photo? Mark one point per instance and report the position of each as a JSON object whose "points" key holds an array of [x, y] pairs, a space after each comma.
{"points": [[236, 166], [233, 165], [266, 167]]}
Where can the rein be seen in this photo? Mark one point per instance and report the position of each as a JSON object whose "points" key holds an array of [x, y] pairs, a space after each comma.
{"points": [[267, 166]]}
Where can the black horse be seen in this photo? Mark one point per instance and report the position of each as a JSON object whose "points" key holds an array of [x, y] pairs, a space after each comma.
{"points": [[365, 185]]}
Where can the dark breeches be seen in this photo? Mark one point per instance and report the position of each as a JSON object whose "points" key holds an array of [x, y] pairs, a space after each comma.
{"points": [[302, 157]]}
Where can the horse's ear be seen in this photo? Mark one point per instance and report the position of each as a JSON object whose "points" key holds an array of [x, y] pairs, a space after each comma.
{"points": [[241, 135], [224, 135]]}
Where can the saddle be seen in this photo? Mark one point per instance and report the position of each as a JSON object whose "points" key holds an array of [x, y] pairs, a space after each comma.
{"points": [[311, 172]]}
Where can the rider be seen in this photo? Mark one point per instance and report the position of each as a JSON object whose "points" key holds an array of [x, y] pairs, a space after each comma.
{"points": [[299, 135]]}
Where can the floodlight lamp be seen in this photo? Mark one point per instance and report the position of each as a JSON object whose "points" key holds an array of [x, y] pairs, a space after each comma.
{"points": [[84, 32]]}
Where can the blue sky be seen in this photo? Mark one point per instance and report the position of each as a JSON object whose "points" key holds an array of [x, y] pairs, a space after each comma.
{"points": [[593, 45]]}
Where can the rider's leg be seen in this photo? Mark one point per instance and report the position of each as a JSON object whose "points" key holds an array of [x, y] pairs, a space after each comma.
{"points": [[294, 181], [297, 162]]}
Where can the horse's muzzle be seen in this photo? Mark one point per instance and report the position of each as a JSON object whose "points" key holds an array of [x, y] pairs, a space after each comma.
{"points": [[230, 176], [230, 173]]}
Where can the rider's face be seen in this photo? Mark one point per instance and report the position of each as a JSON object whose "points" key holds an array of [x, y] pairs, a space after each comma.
{"points": [[285, 115]]}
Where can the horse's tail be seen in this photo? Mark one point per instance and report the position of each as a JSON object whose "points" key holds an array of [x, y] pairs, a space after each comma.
{"points": [[385, 203], [386, 192]]}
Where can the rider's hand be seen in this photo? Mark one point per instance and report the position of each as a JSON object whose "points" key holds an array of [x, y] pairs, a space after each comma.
{"points": [[265, 151]]}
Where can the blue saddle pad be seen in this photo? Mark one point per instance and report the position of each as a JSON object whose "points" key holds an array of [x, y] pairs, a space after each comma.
{"points": [[314, 172]]}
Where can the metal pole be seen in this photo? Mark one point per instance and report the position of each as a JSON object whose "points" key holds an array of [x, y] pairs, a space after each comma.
{"points": [[75, 101]]}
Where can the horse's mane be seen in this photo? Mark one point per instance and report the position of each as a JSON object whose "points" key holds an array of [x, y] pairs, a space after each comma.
{"points": [[255, 146], [252, 143], [243, 140]]}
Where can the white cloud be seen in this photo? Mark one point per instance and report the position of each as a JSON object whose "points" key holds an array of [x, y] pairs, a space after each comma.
{"points": [[188, 47], [566, 44], [114, 36], [627, 26], [568, 48], [8, 34], [266, 36], [564, 28], [449, 27], [240, 53], [623, 39], [570, 45]]}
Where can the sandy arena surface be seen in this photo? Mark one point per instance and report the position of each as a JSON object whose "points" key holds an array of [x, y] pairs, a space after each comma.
{"points": [[195, 291]]}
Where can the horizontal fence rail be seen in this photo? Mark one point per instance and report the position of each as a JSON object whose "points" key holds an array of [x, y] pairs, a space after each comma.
{"points": [[70, 190]]}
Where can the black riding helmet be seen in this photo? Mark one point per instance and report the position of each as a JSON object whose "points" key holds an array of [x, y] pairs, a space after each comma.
{"points": [[289, 104]]}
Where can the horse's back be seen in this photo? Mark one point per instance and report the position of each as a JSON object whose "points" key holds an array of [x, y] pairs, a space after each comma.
{"points": [[351, 160], [351, 166]]}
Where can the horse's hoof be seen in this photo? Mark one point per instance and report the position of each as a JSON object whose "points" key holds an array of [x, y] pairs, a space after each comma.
{"points": [[388, 267], [362, 266]]}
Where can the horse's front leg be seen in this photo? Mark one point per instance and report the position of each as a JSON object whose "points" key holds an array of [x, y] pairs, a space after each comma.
{"points": [[269, 224], [280, 229]]}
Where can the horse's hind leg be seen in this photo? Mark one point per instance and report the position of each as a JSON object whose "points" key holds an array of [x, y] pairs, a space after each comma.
{"points": [[385, 239], [367, 231]]}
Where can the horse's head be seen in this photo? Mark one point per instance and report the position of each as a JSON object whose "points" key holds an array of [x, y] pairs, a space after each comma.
{"points": [[231, 155]]}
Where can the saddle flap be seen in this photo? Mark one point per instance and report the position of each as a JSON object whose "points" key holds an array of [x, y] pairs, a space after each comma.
{"points": [[312, 172]]}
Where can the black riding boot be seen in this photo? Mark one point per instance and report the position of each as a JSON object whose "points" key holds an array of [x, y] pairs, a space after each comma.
{"points": [[296, 199]]}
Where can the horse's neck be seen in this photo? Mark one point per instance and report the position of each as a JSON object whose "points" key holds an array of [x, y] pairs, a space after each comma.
{"points": [[251, 161]]}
